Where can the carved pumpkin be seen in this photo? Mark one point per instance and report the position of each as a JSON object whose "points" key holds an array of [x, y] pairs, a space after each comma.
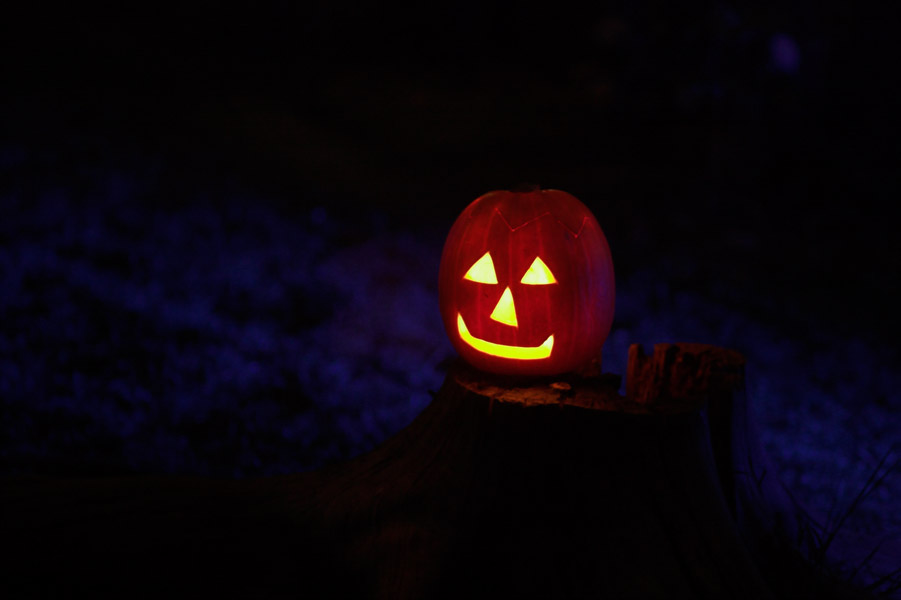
{"points": [[526, 283]]}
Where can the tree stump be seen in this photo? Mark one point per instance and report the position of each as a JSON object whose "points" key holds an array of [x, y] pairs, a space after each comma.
{"points": [[544, 488]]}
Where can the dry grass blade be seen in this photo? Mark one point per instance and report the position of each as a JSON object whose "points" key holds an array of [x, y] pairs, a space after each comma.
{"points": [[876, 478]]}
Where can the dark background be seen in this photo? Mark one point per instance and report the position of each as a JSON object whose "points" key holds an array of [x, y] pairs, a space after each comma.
{"points": [[770, 122], [208, 213]]}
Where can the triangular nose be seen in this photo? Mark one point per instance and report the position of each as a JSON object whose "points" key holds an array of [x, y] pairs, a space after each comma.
{"points": [[505, 311]]}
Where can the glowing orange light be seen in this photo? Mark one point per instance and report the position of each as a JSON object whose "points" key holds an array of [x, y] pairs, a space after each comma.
{"points": [[505, 311], [538, 274], [482, 271], [524, 266], [502, 350]]}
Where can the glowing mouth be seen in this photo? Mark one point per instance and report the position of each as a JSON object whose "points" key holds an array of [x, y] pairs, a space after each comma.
{"points": [[520, 352]]}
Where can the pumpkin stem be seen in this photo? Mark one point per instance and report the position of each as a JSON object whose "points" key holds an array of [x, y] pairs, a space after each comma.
{"points": [[525, 188]]}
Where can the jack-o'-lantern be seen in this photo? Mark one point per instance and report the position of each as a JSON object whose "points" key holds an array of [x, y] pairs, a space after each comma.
{"points": [[526, 283]]}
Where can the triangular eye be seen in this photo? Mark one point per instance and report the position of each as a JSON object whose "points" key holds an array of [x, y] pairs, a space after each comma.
{"points": [[482, 271], [538, 274]]}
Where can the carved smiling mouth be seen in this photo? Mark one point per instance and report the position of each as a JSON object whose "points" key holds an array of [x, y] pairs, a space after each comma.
{"points": [[502, 350]]}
